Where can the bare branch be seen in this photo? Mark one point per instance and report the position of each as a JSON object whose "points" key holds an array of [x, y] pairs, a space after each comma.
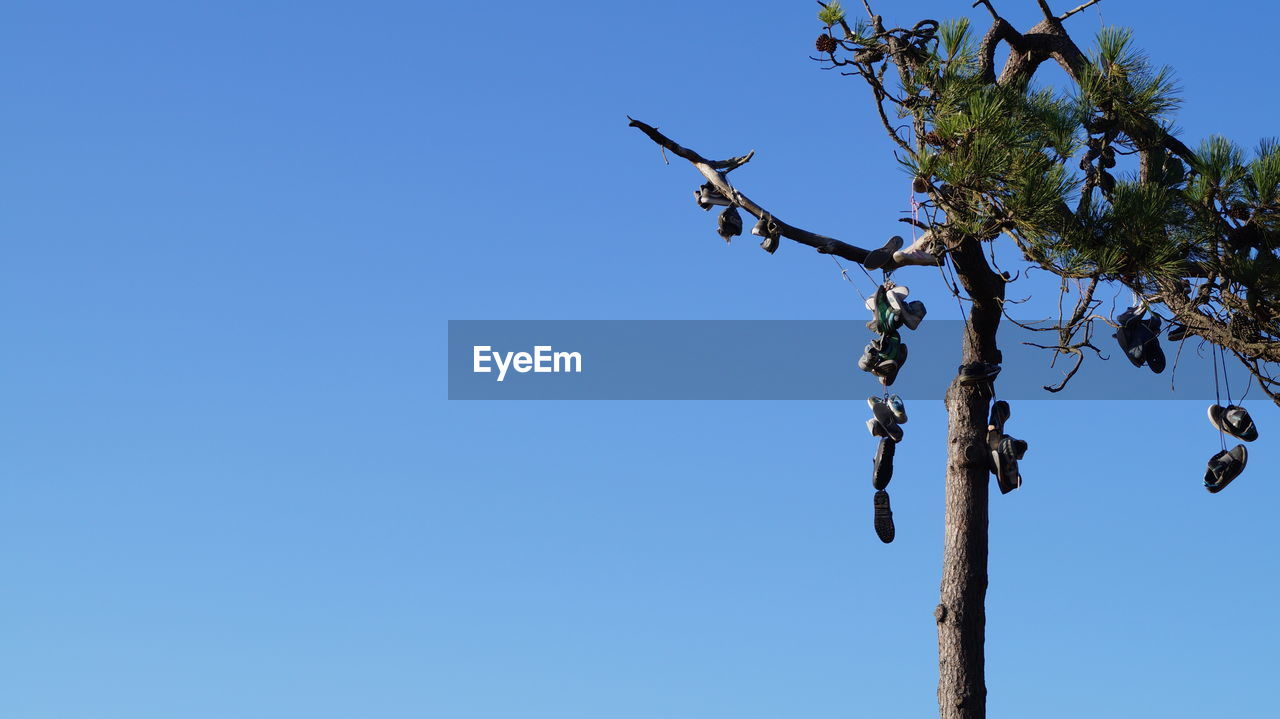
{"points": [[1075, 10], [714, 171]]}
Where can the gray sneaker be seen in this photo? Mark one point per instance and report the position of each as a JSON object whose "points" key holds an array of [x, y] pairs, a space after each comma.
{"points": [[881, 257], [912, 314], [880, 429], [767, 229]]}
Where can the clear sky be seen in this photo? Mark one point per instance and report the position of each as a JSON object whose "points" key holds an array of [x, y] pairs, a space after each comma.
{"points": [[233, 486]]}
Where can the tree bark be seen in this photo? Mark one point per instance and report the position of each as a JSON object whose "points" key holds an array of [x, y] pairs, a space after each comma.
{"points": [[961, 613]]}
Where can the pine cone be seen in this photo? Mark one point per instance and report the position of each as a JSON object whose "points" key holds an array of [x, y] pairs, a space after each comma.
{"points": [[825, 43], [919, 186], [1239, 211], [933, 138]]}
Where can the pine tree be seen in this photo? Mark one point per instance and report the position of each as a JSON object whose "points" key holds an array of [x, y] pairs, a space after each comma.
{"points": [[1194, 233]]}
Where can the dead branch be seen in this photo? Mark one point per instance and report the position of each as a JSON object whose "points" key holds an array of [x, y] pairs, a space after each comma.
{"points": [[715, 170]]}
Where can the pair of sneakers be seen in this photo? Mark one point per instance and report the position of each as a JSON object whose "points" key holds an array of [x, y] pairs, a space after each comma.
{"points": [[1140, 339], [884, 357], [890, 309], [1004, 451], [1226, 465], [888, 413], [891, 256]]}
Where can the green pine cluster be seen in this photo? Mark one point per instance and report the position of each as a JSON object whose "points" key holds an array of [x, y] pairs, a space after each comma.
{"points": [[1079, 179]]}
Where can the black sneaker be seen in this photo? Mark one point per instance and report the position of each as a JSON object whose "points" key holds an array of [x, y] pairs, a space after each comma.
{"points": [[887, 369], [883, 517], [999, 415], [882, 465], [1151, 351], [978, 372], [729, 225], [1005, 453], [1133, 335], [1223, 467], [1234, 420], [883, 256]]}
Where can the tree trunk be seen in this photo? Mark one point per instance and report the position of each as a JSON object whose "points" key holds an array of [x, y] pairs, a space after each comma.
{"points": [[961, 614]]}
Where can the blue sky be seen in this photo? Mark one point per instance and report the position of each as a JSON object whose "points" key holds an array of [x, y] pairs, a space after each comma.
{"points": [[234, 486]]}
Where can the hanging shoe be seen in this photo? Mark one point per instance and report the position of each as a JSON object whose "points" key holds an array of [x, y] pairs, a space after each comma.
{"points": [[1234, 420], [912, 314], [1005, 453], [767, 229], [883, 517], [870, 356], [898, 407], [978, 372], [708, 196], [882, 465], [1133, 335], [884, 415], [1151, 351], [1224, 467], [886, 320], [729, 225], [882, 425], [896, 296], [1177, 332], [877, 429], [887, 369], [999, 415], [879, 258]]}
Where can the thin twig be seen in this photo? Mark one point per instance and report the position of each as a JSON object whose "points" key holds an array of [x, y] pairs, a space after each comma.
{"points": [[1071, 12]]}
